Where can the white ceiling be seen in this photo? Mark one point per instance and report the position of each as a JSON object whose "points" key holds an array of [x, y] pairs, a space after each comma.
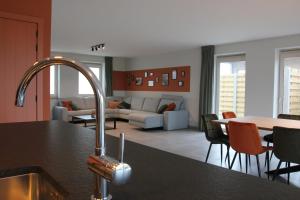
{"points": [[143, 27]]}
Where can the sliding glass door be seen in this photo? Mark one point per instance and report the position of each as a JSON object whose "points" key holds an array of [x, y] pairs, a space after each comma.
{"points": [[289, 90], [230, 84]]}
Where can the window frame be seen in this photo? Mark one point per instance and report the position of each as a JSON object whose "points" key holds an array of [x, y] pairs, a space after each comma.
{"points": [[56, 81], [101, 67], [283, 99], [221, 58]]}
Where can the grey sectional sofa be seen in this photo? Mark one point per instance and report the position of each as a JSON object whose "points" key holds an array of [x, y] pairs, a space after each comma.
{"points": [[143, 111]]}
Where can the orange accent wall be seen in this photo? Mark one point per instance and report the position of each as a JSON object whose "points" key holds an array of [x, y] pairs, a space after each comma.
{"points": [[128, 79], [40, 9], [119, 80]]}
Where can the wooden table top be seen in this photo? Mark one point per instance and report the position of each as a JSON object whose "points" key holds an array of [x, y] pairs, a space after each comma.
{"points": [[264, 123]]}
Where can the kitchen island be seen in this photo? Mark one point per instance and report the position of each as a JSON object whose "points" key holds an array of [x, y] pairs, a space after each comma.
{"points": [[61, 149]]}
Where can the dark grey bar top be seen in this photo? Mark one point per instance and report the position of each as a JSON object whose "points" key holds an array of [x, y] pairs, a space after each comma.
{"points": [[61, 149]]}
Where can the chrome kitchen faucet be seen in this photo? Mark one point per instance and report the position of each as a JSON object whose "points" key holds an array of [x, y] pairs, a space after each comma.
{"points": [[108, 168]]}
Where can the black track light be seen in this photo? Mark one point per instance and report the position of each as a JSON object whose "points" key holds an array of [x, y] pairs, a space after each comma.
{"points": [[98, 47]]}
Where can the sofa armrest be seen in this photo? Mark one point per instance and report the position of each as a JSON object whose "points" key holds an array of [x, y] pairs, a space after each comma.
{"points": [[60, 113], [176, 120]]}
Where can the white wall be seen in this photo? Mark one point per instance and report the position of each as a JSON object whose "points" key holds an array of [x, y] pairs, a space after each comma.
{"points": [[191, 58], [261, 71]]}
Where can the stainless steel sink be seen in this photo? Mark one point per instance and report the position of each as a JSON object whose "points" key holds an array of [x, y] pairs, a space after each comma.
{"points": [[31, 185]]}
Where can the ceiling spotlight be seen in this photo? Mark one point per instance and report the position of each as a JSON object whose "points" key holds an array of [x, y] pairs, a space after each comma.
{"points": [[98, 47]]}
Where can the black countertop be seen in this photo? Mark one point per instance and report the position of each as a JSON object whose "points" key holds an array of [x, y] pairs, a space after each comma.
{"points": [[61, 149]]}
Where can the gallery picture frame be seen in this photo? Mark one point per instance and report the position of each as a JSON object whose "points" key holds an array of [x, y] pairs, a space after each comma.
{"points": [[174, 74], [165, 79], [180, 83], [138, 81]]}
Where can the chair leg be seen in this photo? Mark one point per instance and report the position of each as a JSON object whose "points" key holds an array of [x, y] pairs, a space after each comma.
{"points": [[240, 159], [271, 155], [268, 163], [277, 169], [233, 160], [208, 152], [221, 154], [266, 154], [228, 155], [249, 160], [246, 158], [258, 166], [288, 180]]}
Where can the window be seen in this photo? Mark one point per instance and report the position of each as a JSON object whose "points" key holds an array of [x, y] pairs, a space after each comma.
{"points": [[230, 84], [53, 80], [289, 99], [84, 86]]}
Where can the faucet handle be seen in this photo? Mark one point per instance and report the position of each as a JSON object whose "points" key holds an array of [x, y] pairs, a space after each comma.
{"points": [[121, 147]]}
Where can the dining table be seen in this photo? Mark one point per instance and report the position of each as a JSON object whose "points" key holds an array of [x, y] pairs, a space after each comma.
{"points": [[267, 124], [263, 123]]}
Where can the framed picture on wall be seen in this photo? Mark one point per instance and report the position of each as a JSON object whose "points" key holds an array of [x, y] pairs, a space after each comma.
{"points": [[138, 81], [174, 74], [183, 73], [180, 83], [165, 80], [150, 83]]}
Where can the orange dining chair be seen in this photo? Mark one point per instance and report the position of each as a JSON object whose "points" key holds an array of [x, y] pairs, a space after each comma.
{"points": [[229, 115], [244, 138]]}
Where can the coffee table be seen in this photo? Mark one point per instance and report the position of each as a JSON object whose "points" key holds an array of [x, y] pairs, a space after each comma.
{"points": [[89, 118]]}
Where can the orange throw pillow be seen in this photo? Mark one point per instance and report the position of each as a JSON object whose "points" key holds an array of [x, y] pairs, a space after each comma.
{"points": [[113, 104], [171, 107], [67, 104]]}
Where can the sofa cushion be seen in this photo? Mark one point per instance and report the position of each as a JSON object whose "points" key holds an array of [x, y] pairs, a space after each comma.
{"points": [[89, 102], [124, 105], [166, 102], [171, 107], [144, 116], [146, 119], [112, 98], [113, 104], [127, 100], [150, 104], [79, 102], [81, 112], [178, 100], [111, 111], [169, 101], [67, 104], [162, 109], [137, 103], [125, 111]]}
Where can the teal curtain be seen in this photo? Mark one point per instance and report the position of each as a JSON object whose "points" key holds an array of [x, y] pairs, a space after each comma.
{"points": [[108, 75], [206, 82]]}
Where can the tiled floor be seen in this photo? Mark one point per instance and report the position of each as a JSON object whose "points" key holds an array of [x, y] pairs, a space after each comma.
{"points": [[192, 143]]}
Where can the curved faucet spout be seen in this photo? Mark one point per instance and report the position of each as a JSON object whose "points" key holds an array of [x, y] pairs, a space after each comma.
{"points": [[108, 168], [97, 88]]}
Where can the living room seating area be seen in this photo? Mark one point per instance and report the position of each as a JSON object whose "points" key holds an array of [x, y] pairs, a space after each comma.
{"points": [[144, 112]]}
